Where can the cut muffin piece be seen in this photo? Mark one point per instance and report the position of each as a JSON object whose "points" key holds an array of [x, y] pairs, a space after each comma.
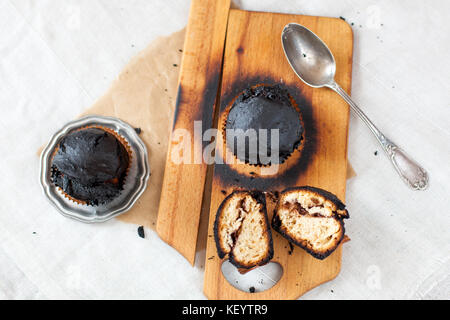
{"points": [[242, 231], [311, 218]]}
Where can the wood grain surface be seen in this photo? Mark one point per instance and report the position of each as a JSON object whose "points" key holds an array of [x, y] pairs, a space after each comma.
{"points": [[254, 55], [183, 185]]}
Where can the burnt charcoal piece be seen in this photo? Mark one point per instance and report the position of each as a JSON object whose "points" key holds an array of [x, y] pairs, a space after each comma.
{"points": [[242, 230], [312, 219], [263, 107], [141, 232], [90, 166], [291, 248]]}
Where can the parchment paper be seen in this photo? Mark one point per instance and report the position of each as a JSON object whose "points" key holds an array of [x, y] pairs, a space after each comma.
{"points": [[144, 96]]}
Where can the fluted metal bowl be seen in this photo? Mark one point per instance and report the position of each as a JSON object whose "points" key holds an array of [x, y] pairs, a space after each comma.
{"points": [[135, 183]]}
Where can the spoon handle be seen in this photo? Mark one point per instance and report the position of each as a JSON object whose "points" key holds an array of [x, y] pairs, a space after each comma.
{"points": [[409, 170]]}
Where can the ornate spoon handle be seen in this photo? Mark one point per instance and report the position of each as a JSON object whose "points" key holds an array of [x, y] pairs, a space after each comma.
{"points": [[408, 169]]}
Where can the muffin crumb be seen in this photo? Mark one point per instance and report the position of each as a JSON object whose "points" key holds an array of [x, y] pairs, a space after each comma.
{"points": [[141, 232]]}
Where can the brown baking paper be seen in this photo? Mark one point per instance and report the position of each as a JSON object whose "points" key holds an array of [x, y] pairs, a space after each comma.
{"points": [[144, 96]]}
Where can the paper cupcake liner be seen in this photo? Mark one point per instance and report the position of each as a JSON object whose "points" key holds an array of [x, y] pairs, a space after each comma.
{"points": [[124, 143]]}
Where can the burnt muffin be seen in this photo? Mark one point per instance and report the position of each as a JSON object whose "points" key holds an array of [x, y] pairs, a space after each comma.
{"points": [[311, 218], [90, 166], [242, 230], [263, 107]]}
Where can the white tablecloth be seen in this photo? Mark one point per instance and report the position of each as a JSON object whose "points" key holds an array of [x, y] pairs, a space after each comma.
{"points": [[58, 57]]}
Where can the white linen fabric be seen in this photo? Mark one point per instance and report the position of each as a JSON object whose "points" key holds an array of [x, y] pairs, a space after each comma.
{"points": [[58, 57]]}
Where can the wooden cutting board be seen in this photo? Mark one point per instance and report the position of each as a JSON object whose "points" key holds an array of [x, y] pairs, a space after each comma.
{"points": [[254, 55], [184, 181]]}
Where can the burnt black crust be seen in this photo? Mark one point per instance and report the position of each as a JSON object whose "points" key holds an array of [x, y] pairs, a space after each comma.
{"points": [[260, 198], [326, 194], [274, 106], [90, 165], [276, 222]]}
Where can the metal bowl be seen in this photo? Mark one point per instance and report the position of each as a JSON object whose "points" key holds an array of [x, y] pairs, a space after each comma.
{"points": [[134, 186]]}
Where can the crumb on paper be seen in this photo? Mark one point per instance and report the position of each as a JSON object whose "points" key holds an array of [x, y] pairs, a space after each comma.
{"points": [[141, 232]]}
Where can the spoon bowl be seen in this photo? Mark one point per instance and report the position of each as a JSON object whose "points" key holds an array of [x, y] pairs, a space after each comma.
{"points": [[308, 56]]}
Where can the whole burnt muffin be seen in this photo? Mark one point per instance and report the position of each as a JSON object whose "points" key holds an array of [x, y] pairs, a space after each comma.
{"points": [[90, 166], [263, 107]]}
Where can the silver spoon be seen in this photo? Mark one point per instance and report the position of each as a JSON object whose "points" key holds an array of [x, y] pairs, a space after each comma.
{"points": [[314, 64]]}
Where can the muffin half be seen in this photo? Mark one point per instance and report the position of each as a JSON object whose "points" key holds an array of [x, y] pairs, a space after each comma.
{"points": [[242, 230], [311, 218]]}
